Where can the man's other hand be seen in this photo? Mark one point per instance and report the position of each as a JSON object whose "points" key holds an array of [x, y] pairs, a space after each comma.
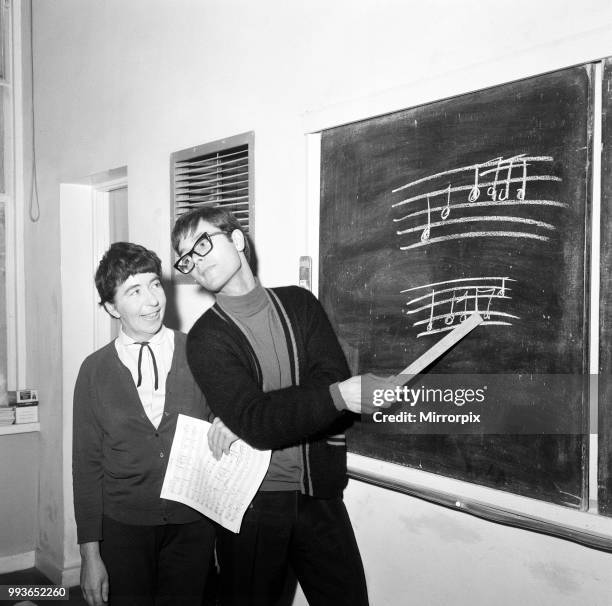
{"points": [[220, 438]]}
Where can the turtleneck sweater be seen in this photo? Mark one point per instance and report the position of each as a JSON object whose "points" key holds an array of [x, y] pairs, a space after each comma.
{"points": [[258, 319]]}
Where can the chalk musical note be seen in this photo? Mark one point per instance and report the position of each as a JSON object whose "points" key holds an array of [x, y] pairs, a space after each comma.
{"points": [[520, 194], [492, 190], [464, 313], [427, 230], [490, 292], [431, 311], [504, 195], [450, 318], [488, 311], [446, 210], [502, 290], [475, 191]]}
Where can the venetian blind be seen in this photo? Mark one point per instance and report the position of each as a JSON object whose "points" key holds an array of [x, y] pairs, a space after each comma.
{"points": [[214, 178]]}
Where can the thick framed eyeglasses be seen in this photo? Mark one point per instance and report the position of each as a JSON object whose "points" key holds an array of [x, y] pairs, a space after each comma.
{"points": [[201, 248]]}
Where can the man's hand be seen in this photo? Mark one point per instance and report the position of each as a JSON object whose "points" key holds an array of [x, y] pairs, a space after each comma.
{"points": [[220, 438], [359, 393], [94, 578]]}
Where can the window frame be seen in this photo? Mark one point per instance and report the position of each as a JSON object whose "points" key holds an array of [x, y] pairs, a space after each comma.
{"points": [[14, 107]]}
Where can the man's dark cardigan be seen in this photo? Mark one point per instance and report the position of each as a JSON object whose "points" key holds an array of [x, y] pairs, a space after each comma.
{"points": [[225, 366]]}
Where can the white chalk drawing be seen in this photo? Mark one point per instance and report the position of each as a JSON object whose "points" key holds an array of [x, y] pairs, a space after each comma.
{"points": [[446, 210], [446, 304], [476, 167], [505, 181], [476, 206], [427, 229]]}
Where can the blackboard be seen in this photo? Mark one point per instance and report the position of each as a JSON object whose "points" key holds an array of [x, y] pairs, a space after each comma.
{"points": [[478, 200], [605, 307]]}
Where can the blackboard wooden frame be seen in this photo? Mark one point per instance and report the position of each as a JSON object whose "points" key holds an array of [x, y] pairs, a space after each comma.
{"points": [[587, 47], [365, 164], [593, 532], [605, 303]]}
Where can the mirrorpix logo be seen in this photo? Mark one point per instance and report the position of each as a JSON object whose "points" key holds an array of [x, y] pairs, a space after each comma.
{"points": [[427, 396]]}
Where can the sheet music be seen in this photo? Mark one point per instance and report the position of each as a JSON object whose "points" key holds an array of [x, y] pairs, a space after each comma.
{"points": [[221, 490]]}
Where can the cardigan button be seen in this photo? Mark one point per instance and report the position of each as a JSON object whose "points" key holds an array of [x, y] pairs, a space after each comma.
{"points": [[161, 455]]}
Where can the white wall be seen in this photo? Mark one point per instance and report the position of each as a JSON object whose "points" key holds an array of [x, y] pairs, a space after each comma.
{"points": [[19, 453], [126, 83], [417, 553]]}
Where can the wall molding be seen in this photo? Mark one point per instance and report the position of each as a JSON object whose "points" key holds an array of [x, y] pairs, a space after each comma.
{"points": [[551, 55], [18, 561], [65, 576]]}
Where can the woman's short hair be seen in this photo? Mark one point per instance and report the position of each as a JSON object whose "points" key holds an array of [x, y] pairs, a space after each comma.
{"points": [[120, 261]]}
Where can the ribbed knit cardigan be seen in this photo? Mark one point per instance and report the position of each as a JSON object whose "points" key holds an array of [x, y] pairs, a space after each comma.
{"points": [[226, 368]]}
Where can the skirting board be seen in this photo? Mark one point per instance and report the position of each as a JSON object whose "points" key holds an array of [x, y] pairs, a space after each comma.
{"points": [[18, 561], [65, 577]]}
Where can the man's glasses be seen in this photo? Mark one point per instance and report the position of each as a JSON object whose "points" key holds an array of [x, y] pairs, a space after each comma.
{"points": [[201, 248]]}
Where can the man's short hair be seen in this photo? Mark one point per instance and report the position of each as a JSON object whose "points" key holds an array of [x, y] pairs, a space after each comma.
{"points": [[222, 219], [120, 261]]}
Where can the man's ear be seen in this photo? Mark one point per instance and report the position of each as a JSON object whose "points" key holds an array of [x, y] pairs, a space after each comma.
{"points": [[110, 308], [238, 240]]}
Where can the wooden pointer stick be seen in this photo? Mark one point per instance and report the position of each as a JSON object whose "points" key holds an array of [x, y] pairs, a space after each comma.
{"points": [[439, 348]]}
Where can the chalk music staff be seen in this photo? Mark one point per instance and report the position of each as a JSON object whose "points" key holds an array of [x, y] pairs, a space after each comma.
{"points": [[445, 211], [443, 305]]}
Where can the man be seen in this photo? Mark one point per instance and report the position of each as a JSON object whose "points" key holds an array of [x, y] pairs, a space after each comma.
{"points": [[136, 548], [273, 371]]}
